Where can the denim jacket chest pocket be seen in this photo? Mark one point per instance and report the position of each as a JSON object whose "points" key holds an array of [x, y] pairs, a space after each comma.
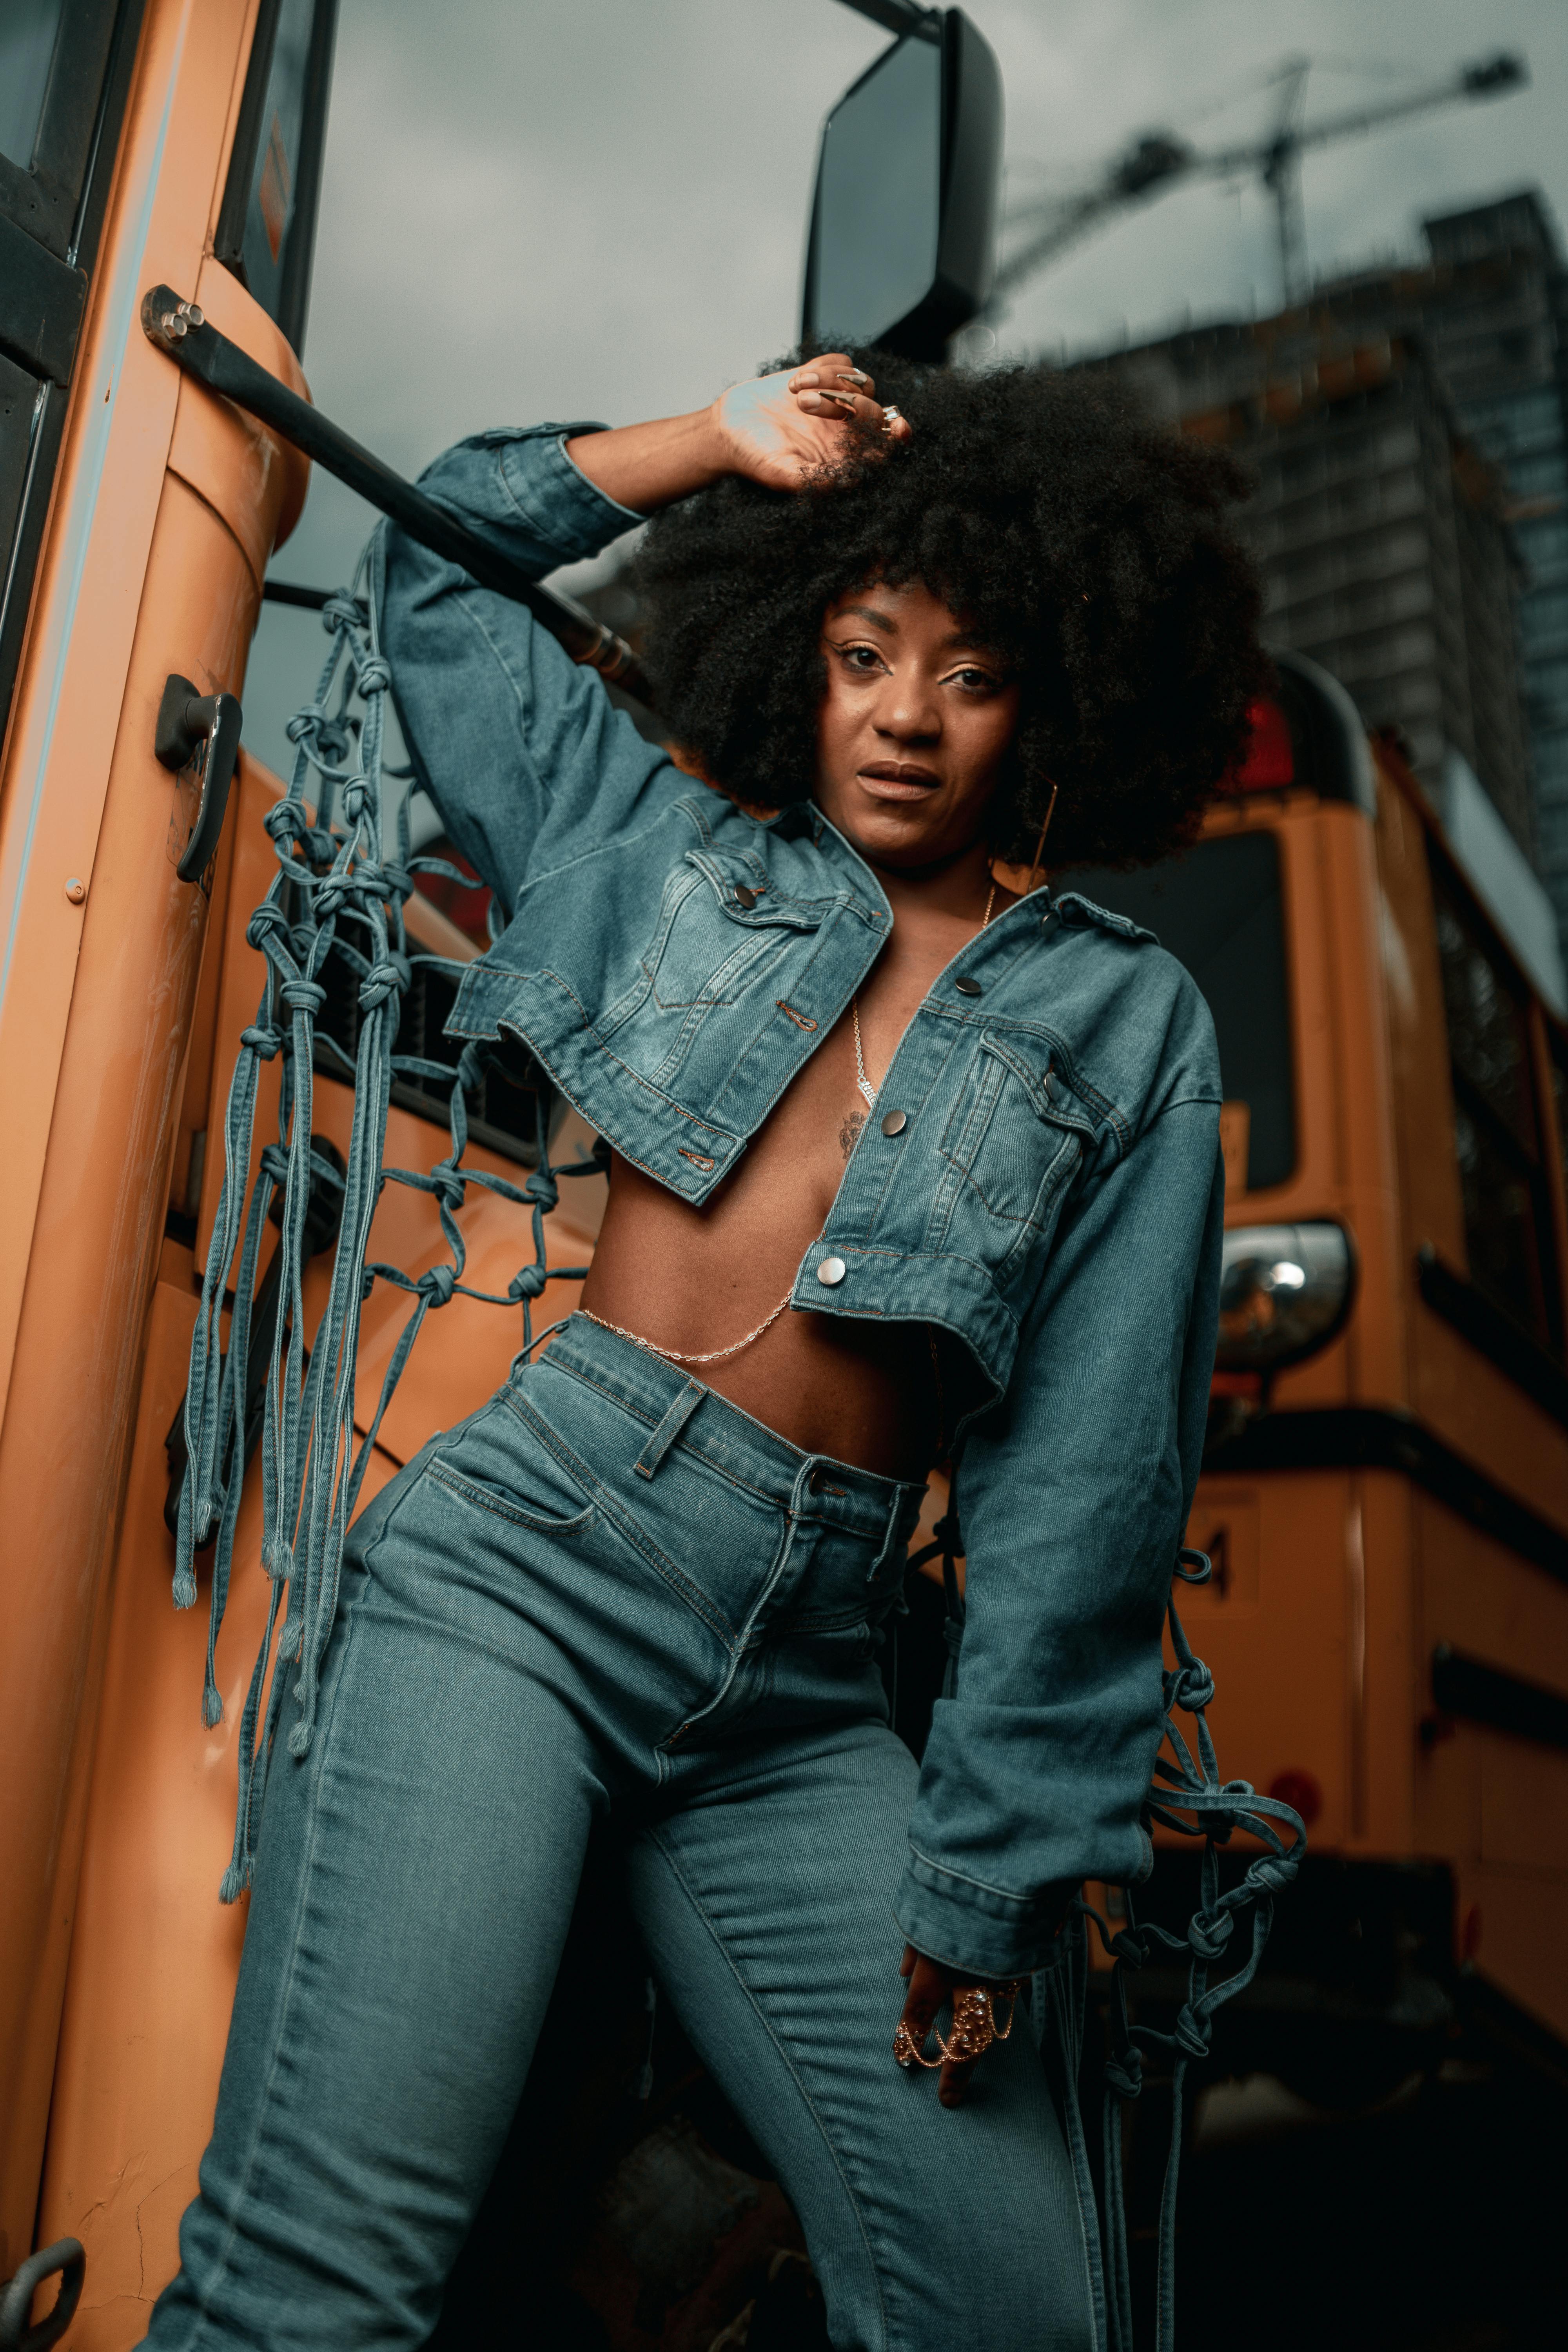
{"points": [[1014, 1141], [722, 934]]}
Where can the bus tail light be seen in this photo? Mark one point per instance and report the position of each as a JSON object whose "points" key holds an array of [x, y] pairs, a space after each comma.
{"points": [[1284, 1292]]}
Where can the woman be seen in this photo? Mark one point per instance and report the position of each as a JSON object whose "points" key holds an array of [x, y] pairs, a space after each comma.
{"points": [[909, 1161]]}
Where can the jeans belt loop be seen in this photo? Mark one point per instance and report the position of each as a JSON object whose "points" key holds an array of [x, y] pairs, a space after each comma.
{"points": [[670, 1428]]}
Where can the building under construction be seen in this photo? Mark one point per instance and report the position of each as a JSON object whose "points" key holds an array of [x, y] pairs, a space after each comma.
{"points": [[1409, 428], [1491, 306]]}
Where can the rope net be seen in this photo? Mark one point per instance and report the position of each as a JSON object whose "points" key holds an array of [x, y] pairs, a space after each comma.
{"points": [[340, 891]]}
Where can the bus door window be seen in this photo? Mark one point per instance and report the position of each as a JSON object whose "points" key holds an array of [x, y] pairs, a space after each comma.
{"points": [[64, 70], [1220, 910], [1499, 1132], [267, 227]]}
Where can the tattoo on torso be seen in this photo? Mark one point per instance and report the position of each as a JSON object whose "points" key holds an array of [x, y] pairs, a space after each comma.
{"points": [[849, 1131]]}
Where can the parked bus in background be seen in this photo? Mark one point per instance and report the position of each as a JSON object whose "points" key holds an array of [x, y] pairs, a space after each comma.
{"points": [[1386, 1498], [1385, 1486]]}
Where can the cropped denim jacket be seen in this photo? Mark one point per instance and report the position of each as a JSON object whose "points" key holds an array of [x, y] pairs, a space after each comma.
{"points": [[1054, 1199]]}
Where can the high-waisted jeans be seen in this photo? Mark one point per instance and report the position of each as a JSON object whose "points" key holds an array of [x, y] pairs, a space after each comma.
{"points": [[608, 1593]]}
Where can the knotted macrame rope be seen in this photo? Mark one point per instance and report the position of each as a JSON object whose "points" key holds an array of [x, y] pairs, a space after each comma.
{"points": [[1189, 1798], [1184, 1785], [337, 891]]}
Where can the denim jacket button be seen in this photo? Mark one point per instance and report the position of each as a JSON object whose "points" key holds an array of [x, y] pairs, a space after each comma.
{"points": [[831, 1270], [967, 987], [895, 1123], [746, 897]]}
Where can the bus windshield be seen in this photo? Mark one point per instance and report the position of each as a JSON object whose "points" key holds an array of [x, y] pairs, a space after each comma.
{"points": [[1219, 910]]}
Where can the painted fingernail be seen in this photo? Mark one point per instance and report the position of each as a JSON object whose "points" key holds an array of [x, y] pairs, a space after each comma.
{"points": [[852, 375]]}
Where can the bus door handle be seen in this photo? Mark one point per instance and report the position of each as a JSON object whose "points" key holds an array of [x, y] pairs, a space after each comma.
{"points": [[67, 2258], [187, 721]]}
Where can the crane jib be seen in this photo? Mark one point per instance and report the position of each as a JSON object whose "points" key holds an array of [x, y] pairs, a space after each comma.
{"points": [[179, 328]]}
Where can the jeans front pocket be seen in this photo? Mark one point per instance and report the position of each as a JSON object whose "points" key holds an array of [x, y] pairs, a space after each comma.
{"points": [[489, 1464], [506, 1506]]}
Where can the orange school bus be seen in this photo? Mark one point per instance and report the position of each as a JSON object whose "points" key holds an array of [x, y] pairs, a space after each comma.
{"points": [[1386, 1498], [1385, 1488]]}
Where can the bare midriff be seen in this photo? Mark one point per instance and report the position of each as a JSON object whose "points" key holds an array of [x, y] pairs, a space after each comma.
{"points": [[692, 1280]]}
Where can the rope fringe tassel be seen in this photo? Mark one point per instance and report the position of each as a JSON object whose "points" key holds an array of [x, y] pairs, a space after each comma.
{"points": [[337, 891]]}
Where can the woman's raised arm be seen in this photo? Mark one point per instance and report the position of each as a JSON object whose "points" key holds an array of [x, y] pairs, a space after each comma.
{"points": [[777, 430]]}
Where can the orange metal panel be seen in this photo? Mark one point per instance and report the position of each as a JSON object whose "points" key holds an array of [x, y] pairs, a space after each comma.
{"points": [[154, 1955], [1277, 1640], [1392, 1690], [140, 576], [257, 483], [1423, 1097], [1482, 1414], [94, 1246], [1480, 1597], [1346, 880], [89, 598]]}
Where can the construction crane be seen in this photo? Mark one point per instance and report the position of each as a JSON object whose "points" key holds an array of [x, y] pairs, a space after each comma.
{"points": [[1157, 160]]}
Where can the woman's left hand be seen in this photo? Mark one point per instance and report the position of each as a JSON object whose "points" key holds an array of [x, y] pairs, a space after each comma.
{"points": [[982, 2013], [783, 430]]}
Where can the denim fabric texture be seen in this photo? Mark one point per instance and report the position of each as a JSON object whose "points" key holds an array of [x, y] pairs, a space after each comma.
{"points": [[1055, 1199], [609, 1594]]}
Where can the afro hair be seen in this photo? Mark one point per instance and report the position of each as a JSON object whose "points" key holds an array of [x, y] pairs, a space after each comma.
{"points": [[1088, 547]]}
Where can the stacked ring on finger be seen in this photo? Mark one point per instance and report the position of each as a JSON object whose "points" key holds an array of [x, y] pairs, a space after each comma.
{"points": [[975, 2029], [891, 416]]}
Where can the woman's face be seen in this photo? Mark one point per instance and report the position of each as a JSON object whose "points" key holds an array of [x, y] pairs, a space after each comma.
{"points": [[913, 726]]}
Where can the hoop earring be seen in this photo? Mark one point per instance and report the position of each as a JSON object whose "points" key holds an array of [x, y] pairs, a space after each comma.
{"points": [[1035, 868]]}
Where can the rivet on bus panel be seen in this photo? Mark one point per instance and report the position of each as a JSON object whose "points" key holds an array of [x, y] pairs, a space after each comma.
{"points": [[76, 889]]}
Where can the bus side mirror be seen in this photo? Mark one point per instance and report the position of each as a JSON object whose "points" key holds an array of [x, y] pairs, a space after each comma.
{"points": [[903, 221]]}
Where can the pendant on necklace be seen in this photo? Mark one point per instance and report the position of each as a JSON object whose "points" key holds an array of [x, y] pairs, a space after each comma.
{"points": [[870, 1091]]}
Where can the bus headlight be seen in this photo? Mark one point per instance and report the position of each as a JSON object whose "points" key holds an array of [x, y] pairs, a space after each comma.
{"points": [[1284, 1291]]}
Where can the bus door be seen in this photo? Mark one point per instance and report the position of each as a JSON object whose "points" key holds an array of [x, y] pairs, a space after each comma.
{"points": [[151, 140]]}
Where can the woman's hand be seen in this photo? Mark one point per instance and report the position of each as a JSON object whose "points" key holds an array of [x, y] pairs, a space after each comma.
{"points": [[983, 2011], [781, 429], [777, 429]]}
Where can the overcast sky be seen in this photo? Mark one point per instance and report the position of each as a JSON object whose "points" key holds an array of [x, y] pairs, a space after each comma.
{"points": [[597, 208]]}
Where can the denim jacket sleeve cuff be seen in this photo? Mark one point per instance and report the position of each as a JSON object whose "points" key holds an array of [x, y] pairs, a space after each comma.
{"points": [[966, 1925], [558, 501]]}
